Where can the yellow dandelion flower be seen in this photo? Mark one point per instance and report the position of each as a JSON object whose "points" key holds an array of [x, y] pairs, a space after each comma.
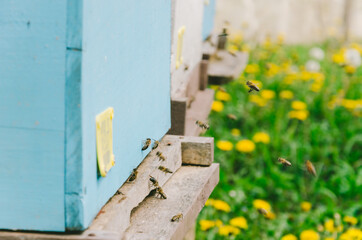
{"points": [[217, 106], [273, 69], [338, 58], [222, 96], [228, 230], [224, 145], [245, 145], [235, 132], [357, 47], [306, 206], [214, 87], [259, 203], [329, 238], [329, 225], [289, 237], [309, 235], [350, 69], [221, 205], [349, 103], [206, 224], [351, 234], [252, 68], [267, 94], [350, 220], [286, 94], [210, 202], [300, 115], [258, 100], [239, 222], [316, 87], [299, 105], [218, 223], [261, 137]]}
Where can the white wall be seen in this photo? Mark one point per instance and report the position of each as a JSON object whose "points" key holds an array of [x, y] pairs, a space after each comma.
{"points": [[188, 13], [298, 20]]}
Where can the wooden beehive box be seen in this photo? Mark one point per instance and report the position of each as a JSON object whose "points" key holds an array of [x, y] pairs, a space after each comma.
{"points": [[62, 63]]}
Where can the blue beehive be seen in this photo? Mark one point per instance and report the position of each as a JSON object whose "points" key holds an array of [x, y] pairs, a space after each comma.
{"points": [[62, 63], [208, 19]]}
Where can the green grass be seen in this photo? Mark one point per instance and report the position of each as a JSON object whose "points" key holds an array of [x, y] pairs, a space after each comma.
{"points": [[331, 137]]}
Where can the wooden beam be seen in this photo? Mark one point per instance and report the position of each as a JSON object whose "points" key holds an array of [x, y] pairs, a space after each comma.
{"points": [[187, 192], [178, 116]]}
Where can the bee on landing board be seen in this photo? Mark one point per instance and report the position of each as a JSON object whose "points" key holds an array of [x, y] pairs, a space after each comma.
{"points": [[202, 125], [155, 144], [154, 181], [133, 175], [160, 156], [310, 168], [164, 169], [284, 162], [252, 86], [160, 191], [177, 217], [146, 144]]}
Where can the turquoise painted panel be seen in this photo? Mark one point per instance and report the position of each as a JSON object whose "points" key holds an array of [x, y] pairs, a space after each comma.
{"points": [[125, 64], [32, 43], [32, 82], [31, 179], [208, 21]]}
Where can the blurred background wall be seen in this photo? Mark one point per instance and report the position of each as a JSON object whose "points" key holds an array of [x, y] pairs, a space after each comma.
{"points": [[299, 21]]}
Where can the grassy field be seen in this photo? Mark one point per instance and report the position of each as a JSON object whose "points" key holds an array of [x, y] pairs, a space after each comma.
{"points": [[301, 113]]}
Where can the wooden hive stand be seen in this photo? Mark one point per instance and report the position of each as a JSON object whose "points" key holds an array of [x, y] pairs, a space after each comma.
{"points": [[135, 213]]}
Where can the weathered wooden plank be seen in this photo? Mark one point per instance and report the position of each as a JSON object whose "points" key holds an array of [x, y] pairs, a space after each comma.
{"points": [[199, 110], [193, 84], [224, 66], [187, 192], [115, 215], [197, 150]]}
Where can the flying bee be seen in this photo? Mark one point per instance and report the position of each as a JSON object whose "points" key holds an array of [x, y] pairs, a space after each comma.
{"points": [[155, 144], [160, 191], [262, 211], [252, 86], [154, 181], [202, 125], [133, 175], [310, 168], [232, 116], [146, 144], [160, 156], [164, 169], [177, 217], [284, 162], [221, 89], [186, 67]]}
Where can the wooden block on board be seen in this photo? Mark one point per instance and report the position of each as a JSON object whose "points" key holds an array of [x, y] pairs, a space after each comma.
{"points": [[178, 116], [199, 110], [197, 150], [225, 67], [187, 192]]}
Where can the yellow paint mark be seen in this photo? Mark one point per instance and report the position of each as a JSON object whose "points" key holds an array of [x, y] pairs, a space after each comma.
{"points": [[104, 138], [180, 40], [206, 2]]}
